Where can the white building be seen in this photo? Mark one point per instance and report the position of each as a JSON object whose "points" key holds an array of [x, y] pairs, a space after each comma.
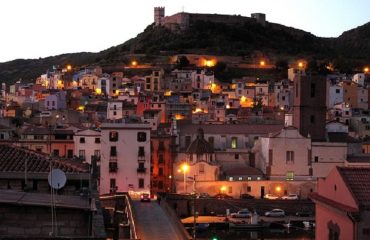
{"points": [[359, 78], [87, 145], [125, 157], [334, 95], [202, 79]]}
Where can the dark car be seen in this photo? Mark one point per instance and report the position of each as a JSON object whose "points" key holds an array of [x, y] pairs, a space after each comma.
{"points": [[145, 197], [222, 196], [246, 196]]}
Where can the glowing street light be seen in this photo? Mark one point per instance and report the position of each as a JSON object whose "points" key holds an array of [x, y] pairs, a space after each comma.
{"points": [[223, 189], [69, 67], [262, 63], [366, 70], [134, 63], [278, 189], [184, 168], [300, 64]]}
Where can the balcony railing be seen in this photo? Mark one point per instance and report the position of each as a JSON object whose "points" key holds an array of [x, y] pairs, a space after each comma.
{"points": [[141, 170]]}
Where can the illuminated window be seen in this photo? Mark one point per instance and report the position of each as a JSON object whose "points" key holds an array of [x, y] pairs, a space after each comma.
{"points": [[234, 142], [290, 175]]}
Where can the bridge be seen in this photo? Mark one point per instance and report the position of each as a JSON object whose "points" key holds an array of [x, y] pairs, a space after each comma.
{"points": [[131, 219]]}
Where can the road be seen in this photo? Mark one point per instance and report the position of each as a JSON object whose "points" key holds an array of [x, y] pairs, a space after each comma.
{"points": [[152, 223]]}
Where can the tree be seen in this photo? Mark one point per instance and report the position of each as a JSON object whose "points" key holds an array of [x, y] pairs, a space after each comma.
{"points": [[182, 61]]}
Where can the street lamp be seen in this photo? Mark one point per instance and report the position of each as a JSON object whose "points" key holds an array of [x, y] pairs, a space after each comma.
{"points": [[184, 168], [366, 70]]}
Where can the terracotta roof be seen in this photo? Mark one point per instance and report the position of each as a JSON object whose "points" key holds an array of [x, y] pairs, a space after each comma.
{"points": [[12, 159], [329, 202], [358, 182], [200, 145], [260, 129], [244, 171]]}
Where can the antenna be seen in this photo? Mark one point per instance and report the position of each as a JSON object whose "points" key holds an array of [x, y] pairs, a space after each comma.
{"points": [[57, 179]]}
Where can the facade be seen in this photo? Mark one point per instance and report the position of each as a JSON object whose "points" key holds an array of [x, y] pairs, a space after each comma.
{"points": [[56, 101], [87, 145], [125, 157], [162, 156], [342, 204]]}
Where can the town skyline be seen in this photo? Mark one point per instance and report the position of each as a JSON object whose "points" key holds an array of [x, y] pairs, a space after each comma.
{"points": [[89, 31]]}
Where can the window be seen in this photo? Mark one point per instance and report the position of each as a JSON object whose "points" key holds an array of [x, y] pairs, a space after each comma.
{"points": [[160, 158], [81, 154], [234, 142], [290, 175], [231, 179], [236, 156], [160, 172], [70, 153], [56, 152], [230, 189], [141, 182], [312, 119], [337, 90], [289, 157], [161, 146], [114, 113], [97, 153], [141, 136], [141, 165], [313, 89], [160, 184], [316, 159], [114, 107], [113, 151], [201, 168], [113, 136], [82, 140], [112, 183], [249, 189], [249, 178], [97, 140], [141, 152], [240, 178]]}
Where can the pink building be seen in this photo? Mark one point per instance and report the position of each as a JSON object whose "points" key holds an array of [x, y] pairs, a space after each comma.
{"points": [[343, 204]]}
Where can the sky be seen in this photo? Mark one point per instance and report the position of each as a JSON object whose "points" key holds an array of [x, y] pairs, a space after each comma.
{"points": [[41, 28]]}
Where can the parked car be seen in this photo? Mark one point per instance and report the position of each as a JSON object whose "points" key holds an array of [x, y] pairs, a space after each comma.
{"points": [[145, 197], [271, 196], [244, 213], [222, 196], [246, 196], [290, 197], [275, 213]]}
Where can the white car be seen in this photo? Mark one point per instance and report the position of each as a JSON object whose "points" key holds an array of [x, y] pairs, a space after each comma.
{"points": [[271, 196], [244, 213], [290, 197], [275, 213]]}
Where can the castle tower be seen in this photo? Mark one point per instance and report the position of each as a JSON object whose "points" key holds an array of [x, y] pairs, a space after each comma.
{"points": [[309, 106], [158, 16]]}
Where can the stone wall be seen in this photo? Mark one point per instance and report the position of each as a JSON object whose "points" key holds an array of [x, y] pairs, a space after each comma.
{"points": [[32, 221]]}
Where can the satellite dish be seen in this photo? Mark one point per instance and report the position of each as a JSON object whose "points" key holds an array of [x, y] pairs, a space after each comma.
{"points": [[57, 179]]}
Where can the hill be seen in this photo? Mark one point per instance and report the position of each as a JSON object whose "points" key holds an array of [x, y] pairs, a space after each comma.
{"points": [[244, 38]]}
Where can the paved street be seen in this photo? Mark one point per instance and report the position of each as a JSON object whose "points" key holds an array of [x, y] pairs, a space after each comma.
{"points": [[153, 224]]}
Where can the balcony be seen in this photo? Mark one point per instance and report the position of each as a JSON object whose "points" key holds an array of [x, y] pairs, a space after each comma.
{"points": [[141, 170], [113, 166]]}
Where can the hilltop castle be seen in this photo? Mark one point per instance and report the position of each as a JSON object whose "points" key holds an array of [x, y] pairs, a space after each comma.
{"points": [[182, 20]]}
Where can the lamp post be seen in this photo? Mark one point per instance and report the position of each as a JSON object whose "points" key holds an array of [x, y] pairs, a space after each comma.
{"points": [[184, 168], [194, 210]]}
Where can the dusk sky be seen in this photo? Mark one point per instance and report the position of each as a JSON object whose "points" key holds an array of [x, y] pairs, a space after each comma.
{"points": [[41, 28]]}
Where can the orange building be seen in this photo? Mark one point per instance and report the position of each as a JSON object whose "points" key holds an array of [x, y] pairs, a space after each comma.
{"points": [[162, 157]]}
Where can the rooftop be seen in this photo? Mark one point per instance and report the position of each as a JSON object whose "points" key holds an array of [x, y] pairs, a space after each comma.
{"points": [[12, 160], [260, 129], [357, 180]]}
